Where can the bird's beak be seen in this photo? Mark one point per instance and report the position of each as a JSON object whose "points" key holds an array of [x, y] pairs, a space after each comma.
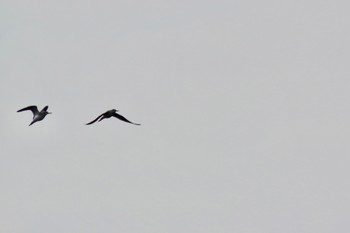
{"points": [[49, 112]]}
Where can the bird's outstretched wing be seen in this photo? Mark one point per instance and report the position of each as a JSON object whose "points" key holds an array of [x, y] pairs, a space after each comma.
{"points": [[95, 119], [45, 108], [120, 117], [32, 108]]}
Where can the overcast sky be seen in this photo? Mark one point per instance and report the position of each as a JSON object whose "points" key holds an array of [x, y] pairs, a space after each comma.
{"points": [[244, 107]]}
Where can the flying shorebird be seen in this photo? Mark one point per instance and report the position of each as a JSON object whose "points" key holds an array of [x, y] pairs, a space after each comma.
{"points": [[111, 113], [37, 116]]}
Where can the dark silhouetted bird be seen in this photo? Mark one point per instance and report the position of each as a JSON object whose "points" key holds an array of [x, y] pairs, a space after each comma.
{"points": [[37, 116], [109, 114]]}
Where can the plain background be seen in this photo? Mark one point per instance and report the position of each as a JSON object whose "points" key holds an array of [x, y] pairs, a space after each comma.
{"points": [[244, 107]]}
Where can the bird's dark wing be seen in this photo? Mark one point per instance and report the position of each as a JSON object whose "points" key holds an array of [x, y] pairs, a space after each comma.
{"points": [[120, 117], [45, 109], [32, 108], [95, 119]]}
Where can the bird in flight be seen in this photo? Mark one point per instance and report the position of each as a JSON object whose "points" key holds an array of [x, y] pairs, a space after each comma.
{"points": [[37, 116], [109, 114]]}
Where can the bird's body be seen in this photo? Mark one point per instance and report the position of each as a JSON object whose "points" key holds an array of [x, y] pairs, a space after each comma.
{"points": [[37, 116], [109, 114]]}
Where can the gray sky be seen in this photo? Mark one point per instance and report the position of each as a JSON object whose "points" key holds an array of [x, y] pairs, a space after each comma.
{"points": [[244, 108]]}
